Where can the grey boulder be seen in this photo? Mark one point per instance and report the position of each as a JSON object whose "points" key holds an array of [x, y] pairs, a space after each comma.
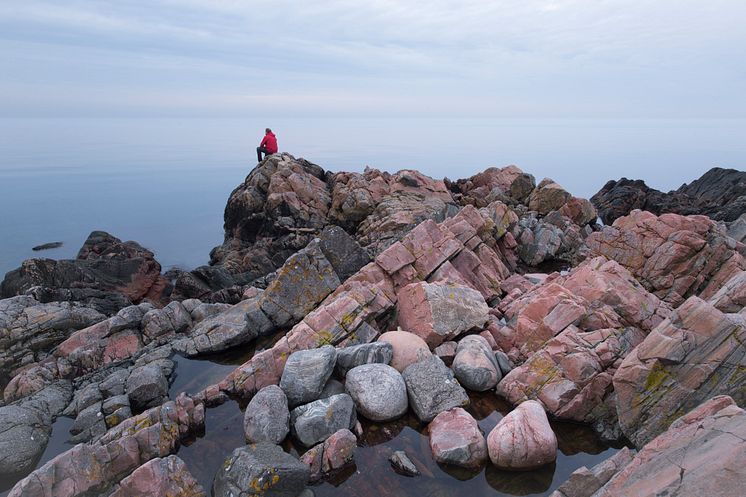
{"points": [[368, 353], [267, 418], [306, 372], [432, 388], [260, 469], [378, 390], [315, 422], [147, 386], [24, 433], [475, 365]]}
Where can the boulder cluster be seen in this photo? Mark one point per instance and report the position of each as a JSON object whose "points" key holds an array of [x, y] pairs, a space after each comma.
{"points": [[377, 297]]}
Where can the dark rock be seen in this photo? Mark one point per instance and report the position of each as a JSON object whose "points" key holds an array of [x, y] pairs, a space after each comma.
{"points": [[719, 194], [357, 355], [47, 246], [504, 362], [260, 469], [147, 386], [89, 424], [432, 389], [106, 269], [475, 365], [402, 464]]}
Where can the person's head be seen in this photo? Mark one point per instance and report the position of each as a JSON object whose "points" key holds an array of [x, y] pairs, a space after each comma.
{"points": [[267, 131]]}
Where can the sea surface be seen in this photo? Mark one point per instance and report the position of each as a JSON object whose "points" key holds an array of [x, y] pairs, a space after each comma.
{"points": [[165, 182]]}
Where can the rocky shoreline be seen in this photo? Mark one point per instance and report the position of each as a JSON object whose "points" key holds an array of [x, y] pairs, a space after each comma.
{"points": [[358, 300]]}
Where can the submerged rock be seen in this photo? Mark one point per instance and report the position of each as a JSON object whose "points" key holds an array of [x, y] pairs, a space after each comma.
{"points": [[260, 469], [523, 439], [402, 464]]}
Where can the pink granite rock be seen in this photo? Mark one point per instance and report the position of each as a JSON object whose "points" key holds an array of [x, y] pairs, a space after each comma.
{"points": [[167, 476], [408, 348], [334, 453], [439, 312], [580, 210], [695, 354], [673, 256], [523, 439], [455, 439], [494, 183], [702, 453]]}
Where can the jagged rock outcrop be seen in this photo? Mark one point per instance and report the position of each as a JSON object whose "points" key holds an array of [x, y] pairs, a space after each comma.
{"points": [[166, 476], [719, 194], [467, 247], [573, 332], [29, 329], [701, 453], [506, 184], [673, 256], [107, 275], [694, 355]]}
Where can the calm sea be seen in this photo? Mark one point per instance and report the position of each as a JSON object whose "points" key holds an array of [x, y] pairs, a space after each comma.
{"points": [[164, 182]]}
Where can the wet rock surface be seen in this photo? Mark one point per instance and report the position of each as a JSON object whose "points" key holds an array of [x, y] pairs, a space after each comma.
{"points": [[455, 439]]}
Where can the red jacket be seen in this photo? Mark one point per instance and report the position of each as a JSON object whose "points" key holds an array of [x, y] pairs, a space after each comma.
{"points": [[270, 141]]}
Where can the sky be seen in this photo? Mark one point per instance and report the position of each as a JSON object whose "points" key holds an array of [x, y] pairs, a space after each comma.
{"points": [[448, 58]]}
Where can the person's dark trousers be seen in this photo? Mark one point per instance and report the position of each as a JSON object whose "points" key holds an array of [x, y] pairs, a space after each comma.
{"points": [[260, 151]]}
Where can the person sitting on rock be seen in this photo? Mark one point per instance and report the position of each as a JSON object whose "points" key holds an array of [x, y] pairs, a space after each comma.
{"points": [[268, 145]]}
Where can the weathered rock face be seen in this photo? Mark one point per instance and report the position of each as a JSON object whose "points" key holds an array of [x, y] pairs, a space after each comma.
{"points": [[455, 439], [166, 476], [523, 439], [694, 355], [267, 418], [107, 275], [285, 201], [306, 372], [378, 390], [438, 312], [260, 469], [147, 386], [432, 389], [475, 365], [315, 422], [548, 196], [737, 229], [701, 453], [584, 482], [719, 194], [28, 329], [551, 238], [673, 256], [470, 246], [155, 433]]}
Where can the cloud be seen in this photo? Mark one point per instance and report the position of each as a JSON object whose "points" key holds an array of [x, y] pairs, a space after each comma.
{"points": [[468, 57]]}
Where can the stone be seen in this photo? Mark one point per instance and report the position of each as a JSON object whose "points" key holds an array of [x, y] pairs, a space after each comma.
{"points": [[332, 387], [146, 386], [88, 424], [523, 439], [432, 389], [167, 476], [114, 384], [673, 256], [170, 320], [260, 469], [475, 365], [306, 372], [315, 422], [378, 390], [334, 453], [368, 353], [701, 453], [547, 196], [402, 464], [408, 348], [584, 482], [267, 418], [694, 355], [455, 439], [24, 434], [719, 194], [504, 362], [496, 183], [447, 352], [438, 312]]}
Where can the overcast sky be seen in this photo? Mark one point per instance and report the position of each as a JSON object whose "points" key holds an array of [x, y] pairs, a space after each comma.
{"points": [[501, 58]]}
